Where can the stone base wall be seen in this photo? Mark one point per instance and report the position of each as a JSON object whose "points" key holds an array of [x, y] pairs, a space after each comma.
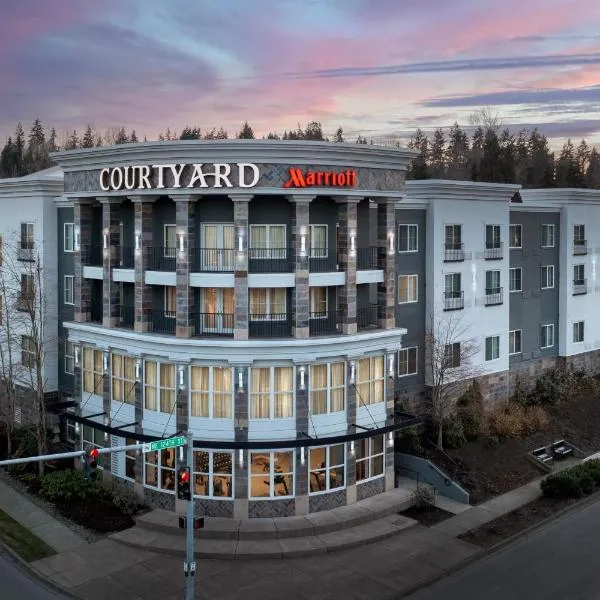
{"points": [[527, 372], [328, 501], [370, 488], [258, 509], [495, 388], [588, 362]]}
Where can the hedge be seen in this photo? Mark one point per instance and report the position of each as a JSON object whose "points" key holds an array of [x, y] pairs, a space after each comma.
{"points": [[575, 482]]}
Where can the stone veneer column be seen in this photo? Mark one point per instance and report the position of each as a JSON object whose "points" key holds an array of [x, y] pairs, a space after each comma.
{"points": [[300, 293], [240, 219], [142, 206], [302, 426], [240, 420], [139, 416], [111, 290], [347, 220], [351, 416], [82, 287], [185, 209], [386, 225]]}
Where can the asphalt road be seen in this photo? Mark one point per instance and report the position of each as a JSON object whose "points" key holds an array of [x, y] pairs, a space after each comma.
{"points": [[559, 562], [15, 584]]}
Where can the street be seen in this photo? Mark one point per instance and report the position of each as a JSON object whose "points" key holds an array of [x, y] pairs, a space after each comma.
{"points": [[559, 562]]}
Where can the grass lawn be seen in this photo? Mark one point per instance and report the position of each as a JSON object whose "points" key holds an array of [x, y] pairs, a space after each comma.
{"points": [[28, 546]]}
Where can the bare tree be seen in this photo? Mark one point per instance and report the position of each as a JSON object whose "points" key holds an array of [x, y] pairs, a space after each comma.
{"points": [[487, 118], [449, 354]]}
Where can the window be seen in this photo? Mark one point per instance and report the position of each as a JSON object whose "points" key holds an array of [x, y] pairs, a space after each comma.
{"points": [[492, 236], [514, 341], [213, 474], [452, 285], [492, 282], [93, 371], [1, 250], [69, 358], [408, 238], [492, 347], [318, 302], [578, 274], [69, 237], [452, 355], [1, 310], [159, 386], [327, 468], [130, 456], [407, 289], [515, 279], [170, 241], [272, 393], [327, 384], [27, 296], [123, 378], [515, 234], [547, 336], [578, 332], [218, 243], [159, 467], [317, 241], [69, 290], [579, 235], [271, 474], [547, 236], [268, 242], [27, 242], [170, 295], [267, 304], [370, 458], [370, 379], [547, 277], [453, 237], [27, 351], [211, 391], [407, 361], [93, 438]]}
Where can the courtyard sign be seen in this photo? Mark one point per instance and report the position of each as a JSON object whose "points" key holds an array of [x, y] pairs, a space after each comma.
{"points": [[300, 179], [147, 177]]}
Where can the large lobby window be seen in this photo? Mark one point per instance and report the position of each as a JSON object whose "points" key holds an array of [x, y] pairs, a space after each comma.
{"points": [[370, 459], [160, 469], [92, 371], [159, 386], [272, 393], [267, 241], [267, 304], [370, 378], [271, 474], [123, 378], [327, 388], [212, 392], [213, 474], [327, 468]]}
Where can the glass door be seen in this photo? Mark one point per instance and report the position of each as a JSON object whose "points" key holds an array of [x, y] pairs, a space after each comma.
{"points": [[217, 310], [216, 253]]}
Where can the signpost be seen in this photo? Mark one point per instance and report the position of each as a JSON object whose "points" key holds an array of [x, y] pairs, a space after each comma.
{"points": [[174, 442]]}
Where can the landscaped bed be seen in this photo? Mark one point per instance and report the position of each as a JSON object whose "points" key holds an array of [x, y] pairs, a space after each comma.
{"points": [[27, 545], [426, 515]]}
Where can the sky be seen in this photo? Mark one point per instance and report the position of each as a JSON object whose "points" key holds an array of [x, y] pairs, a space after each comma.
{"points": [[378, 68]]}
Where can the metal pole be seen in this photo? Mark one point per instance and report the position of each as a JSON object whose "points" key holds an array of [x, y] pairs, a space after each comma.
{"points": [[189, 532]]}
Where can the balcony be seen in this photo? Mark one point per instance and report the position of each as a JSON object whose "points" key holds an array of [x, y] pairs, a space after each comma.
{"points": [[580, 247], [215, 260], [270, 260], [323, 260], [367, 317], [161, 259], [213, 324], [454, 252], [162, 321], [26, 252], [367, 258], [127, 317], [270, 326], [454, 300], [493, 251], [127, 257], [493, 296], [579, 287], [92, 256], [96, 312], [324, 323]]}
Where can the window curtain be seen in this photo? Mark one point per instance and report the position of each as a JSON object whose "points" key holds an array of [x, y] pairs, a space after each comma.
{"points": [[258, 302], [277, 241], [261, 388], [200, 391], [222, 390], [258, 241], [338, 386], [363, 378], [98, 371], [167, 387], [228, 245], [318, 389], [378, 379], [318, 242], [284, 392], [117, 377], [88, 370], [277, 301], [150, 384], [210, 236], [129, 382]]}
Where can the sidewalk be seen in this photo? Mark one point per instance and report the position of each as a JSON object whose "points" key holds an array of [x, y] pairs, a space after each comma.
{"points": [[379, 571]]}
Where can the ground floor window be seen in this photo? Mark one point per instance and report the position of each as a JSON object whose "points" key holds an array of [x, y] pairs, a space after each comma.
{"points": [[92, 438], [327, 468], [370, 458], [130, 456], [213, 474], [159, 469], [271, 474]]}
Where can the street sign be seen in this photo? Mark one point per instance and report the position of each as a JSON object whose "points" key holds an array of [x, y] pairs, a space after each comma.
{"points": [[164, 444]]}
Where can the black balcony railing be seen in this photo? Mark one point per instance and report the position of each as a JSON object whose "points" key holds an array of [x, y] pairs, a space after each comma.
{"points": [[127, 317], [92, 256], [493, 296], [270, 326], [26, 252], [579, 287], [96, 311], [366, 258], [454, 252], [493, 251], [323, 323], [213, 324], [162, 321], [215, 260], [367, 317], [270, 260], [161, 258], [323, 260], [127, 257], [454, 300], [580, 247]]}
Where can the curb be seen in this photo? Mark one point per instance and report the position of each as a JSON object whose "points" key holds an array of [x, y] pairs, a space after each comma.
{"points": [[501, 545]]}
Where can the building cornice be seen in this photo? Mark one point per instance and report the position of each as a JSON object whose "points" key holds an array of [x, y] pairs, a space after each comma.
{"points": [[560, 196], [447, 189], [27, 188]]}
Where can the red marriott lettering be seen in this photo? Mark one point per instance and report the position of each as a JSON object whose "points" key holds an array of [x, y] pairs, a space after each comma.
{"points": [[299, 179]]}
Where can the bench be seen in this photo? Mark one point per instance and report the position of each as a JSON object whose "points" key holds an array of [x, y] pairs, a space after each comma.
{"points": [[561, 449], [542, 455]]}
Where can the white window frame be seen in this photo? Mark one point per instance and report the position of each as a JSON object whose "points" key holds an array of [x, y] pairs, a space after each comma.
{"points": [[272, 393], [314, 251], [127, 385], [271, 474], [29, 236], [409, 227], [69, 290], [268, 316], [513, 228], [549, 269], [170, 290], [576, 238], [369, 458], [407, 351], [159, 468], [543, 336], [88, 443], [579, 328], [282, 252], [511, 271], [494, 228], [213, 475], [158, 387], [328, 389], [512, 337], [579, 266], [326, 470], [28, 349], [372, 381], [452, 240], [322, 314], [452, 346], [69, 357], [69, 237], [494, 341], [212, 393], [130, 457], [491, 275], [169, 251], [96, 372], [412, 286], [548, 231]]}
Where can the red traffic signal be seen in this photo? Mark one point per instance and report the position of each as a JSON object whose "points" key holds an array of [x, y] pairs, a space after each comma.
{"points": [[184, 476], [94, 454], [184, 491]]}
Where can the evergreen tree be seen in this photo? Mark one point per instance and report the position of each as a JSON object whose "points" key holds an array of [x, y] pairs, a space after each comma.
{"points": [[567, 169], [37, 137], [52, 147], [339, 135], [19, 151], [210, 135], [457, 153], [133, 139], [437, 155], [583, 159], [272, 136], [361, 140], [246, 132], [541, 161], [168, 135], [313, 132], [221, 134], [522, 158], [98, 140], [9, 163], [476, 153], [489, 169], [507, 157], [419, 168], [190, 133], [592, 175], [121, 137], [73, 141], [36, 155], [88, 138]]}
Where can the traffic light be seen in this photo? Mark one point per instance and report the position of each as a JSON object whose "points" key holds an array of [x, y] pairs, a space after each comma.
{"points": [[91, 463], [184, 491]]}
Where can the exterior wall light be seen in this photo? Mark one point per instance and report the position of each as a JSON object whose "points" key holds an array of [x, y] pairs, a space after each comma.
{"points": [[352, 450], [391, 366], [181, 377], [76, 355], [303, 244], [391, 242], [240, 379], [137, 241], [302, 455], [391, 438], [181, 243], [105, 362], [77, 429], [105, 241], [240, 242], [353, 244], [302, 373], [77, 240], [352, 372], [137, 370], [241, 458]]}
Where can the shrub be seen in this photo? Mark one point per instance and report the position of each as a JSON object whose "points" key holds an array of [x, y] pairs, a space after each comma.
{"points": [[424, 497], [553, 387], [535, 418], [68, 486], [521, 392], [575, 482], [512, 420], [453, 433], [471, 412], [409, 441], [593, 469], [125, 500]]}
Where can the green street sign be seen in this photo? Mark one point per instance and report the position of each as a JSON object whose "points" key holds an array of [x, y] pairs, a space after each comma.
{"points": [[164, 444]]}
